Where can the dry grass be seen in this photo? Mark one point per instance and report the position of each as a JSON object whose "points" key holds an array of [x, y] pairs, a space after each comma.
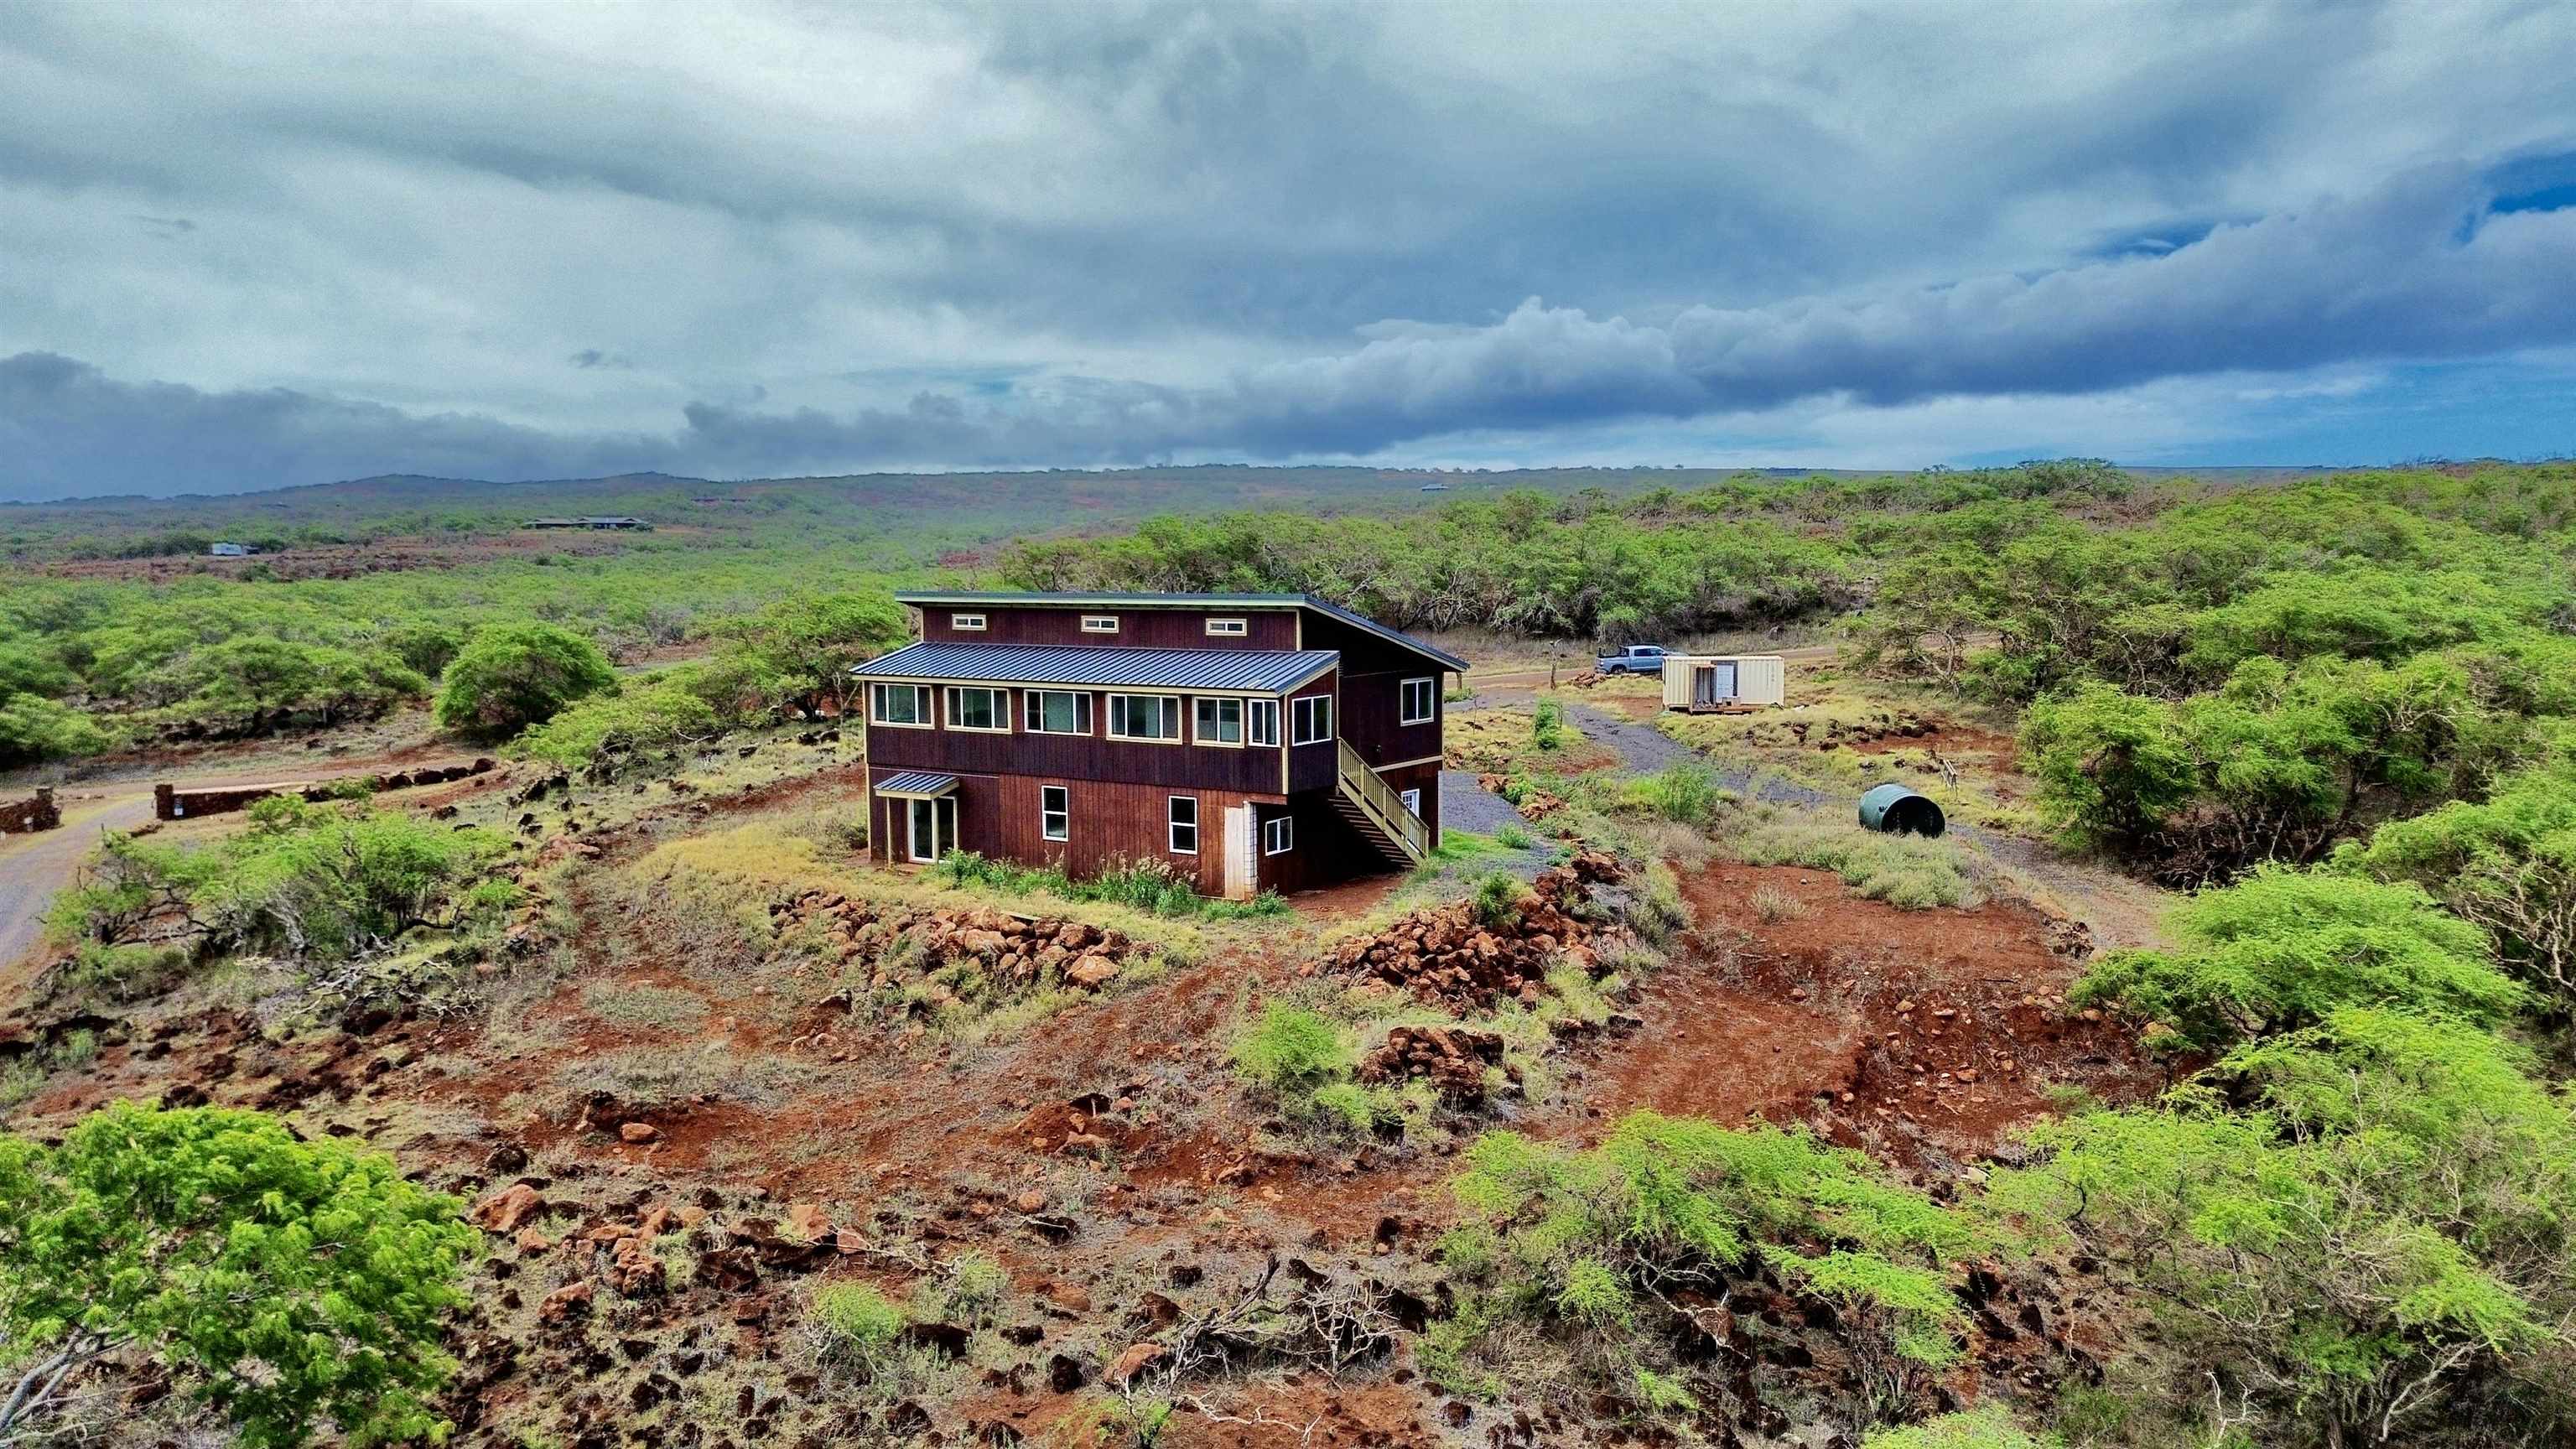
{"points": [[1903, 870]]}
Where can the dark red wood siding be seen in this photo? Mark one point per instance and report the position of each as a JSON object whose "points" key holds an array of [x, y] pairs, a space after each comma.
{"points": [[1272, 628]]}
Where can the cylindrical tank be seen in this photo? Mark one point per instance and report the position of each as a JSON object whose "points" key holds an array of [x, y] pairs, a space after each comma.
{"points": [[1892, 809]]}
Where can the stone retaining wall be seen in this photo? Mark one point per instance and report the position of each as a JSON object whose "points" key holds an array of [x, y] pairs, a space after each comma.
{"points": [[25, 817], [172, 803]]}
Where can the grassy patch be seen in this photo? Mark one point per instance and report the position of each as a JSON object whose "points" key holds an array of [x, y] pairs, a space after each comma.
{"points": [[662, 1008], [1902, 870]]}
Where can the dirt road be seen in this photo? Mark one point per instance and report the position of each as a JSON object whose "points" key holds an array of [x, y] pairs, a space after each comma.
{"points": [[34, 867]]}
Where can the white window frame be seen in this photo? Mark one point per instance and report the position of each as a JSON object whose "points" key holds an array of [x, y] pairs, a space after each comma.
{"points": [[1033, 710], [1062, 827], [967, 623], [1173, 825], [1001, 709], [877, 697], [1172, 707], [1229, 628], [1216, 702], [1310, 711], [1100, 623], [1261, 722], [1404, 702], [1412, 800], [1279, 835]]}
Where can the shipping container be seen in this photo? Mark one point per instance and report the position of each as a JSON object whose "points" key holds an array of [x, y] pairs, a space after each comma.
{"points": [[1724, 681]]}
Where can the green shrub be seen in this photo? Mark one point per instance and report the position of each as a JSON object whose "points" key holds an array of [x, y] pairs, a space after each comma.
{"points": [[645, 714], [1684, 792], [1547, 726], [1496, 900], [35, 729], [1291, 1051], [304, 880], [1512, 837], [1579, 1238], [2507, 863], [2373, 1242], [284, 1283], [861, 1323], [2285, 947], [513, 675], [1152, 886]]}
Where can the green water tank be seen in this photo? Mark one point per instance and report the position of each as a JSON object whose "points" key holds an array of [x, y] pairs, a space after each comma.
{"points": [[1892, 809]]}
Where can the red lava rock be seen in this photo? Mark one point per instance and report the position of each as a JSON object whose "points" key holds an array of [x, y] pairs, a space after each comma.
{"points": [[503, 1211], [564, 1302], [1031, 1201], [808, 1222], [1445, 955], [532, 1242], [1138, 1358], [1452, 1058], [638, 1132]]}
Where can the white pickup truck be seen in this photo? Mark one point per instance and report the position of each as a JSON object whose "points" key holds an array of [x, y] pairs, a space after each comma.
{"points": [[1635, 659]]}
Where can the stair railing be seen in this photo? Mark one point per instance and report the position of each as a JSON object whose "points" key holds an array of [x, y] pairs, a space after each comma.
{"points": [[1382, 804]]}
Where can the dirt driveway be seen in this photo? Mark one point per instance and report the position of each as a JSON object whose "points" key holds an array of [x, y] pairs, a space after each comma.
{"points": [[34, 867]]}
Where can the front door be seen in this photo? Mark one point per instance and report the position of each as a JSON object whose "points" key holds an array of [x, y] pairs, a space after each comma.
{"points": [[931, 832]]}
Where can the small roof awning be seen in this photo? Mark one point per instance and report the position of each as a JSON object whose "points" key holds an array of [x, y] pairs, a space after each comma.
{"points": [[917, 785]]}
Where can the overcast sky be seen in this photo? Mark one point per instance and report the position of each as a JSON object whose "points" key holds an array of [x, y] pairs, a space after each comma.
{"points": [[251, 246]]}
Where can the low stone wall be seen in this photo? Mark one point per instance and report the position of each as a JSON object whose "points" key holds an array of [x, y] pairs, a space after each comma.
{"points": [[25, 817], [172, 803]]}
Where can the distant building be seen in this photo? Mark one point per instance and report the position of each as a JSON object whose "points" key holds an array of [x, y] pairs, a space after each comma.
{"points": [[552, 523], [231, 550], [1435, 487], [621, 521]]}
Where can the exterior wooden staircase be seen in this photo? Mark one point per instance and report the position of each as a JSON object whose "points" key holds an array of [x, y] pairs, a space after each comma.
{"points": [[1377, 812]]}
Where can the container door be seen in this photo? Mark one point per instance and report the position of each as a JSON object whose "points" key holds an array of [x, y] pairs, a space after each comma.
{"points": [[1721, 681]]}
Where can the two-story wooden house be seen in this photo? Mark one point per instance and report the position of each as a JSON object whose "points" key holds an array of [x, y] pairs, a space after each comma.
{"points": [[1253, 741]]}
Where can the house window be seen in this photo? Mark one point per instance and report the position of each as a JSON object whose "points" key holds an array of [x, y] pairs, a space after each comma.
{"points": [[973, 707], [1279, 836], [1228, 628], [1100, 623], [971, 623], [1055, 812], [1412, 802], [1185, 824], [1421, 701], [1059, 712], [1261, 721], [1220, 722], [1144, 717], [899, 704], [1310, 720]]}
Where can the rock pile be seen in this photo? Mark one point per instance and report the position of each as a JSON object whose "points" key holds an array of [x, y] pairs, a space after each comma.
{"points": [[1015, 952], [1449, 956], [1534, 804], [1452, 1059]]}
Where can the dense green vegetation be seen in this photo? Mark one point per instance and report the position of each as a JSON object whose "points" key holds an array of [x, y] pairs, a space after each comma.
{"points": [[292, 1285], [322, 883]]}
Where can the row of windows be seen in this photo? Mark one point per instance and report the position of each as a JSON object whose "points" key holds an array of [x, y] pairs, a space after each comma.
{"points": [[1157, 717], [1107, 624], [1055, 822]]}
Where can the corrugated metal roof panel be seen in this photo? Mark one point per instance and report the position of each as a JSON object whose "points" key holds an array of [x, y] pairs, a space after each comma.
{"points": [[1103, 666], [917, 782]]}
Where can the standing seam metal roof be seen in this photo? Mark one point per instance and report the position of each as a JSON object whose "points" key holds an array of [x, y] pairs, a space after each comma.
{"points": [[1108, 666]]}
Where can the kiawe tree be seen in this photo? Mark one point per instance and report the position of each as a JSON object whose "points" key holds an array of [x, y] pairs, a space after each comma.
{"points": [[288, 1285], [511, 676]]}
